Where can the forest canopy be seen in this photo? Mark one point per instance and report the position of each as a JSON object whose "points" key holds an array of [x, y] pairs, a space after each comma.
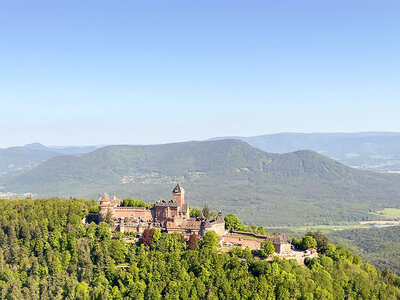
{"points": [[47, 252]]}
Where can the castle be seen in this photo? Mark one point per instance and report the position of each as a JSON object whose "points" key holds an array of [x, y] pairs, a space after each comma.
{"points": [[169, 216], [174, 216]]}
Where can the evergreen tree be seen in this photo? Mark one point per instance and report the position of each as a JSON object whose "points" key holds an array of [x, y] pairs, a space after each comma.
{"points": [[206, 212]]}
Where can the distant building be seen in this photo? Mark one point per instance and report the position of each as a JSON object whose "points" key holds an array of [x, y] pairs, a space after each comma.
{"points": [[282, 244], [170, 216]]}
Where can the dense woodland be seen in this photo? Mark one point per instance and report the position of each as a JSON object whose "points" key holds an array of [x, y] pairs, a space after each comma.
{"points": [[47, 252], [380, 246], [301, 188]]}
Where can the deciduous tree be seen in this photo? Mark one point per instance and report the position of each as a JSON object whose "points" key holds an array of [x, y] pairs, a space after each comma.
{"points": [[193, 242], [210, 240], [308, 242], [147, 237], [267, 248]]}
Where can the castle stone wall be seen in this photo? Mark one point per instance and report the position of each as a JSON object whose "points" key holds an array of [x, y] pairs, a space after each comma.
{"points": [[219, 228], [237, 240], [134, 212]]}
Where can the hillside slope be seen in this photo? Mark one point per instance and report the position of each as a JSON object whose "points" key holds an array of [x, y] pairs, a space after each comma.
{"points": [[263, 188], [18, 159], [378, 151], [15, 160], [379, 246]]}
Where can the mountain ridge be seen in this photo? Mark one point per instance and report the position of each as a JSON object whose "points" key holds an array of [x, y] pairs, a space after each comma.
{"points": [[16, 160], [377, 151], [265, 188]]}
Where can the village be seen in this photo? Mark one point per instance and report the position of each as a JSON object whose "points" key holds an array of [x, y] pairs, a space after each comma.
{"points": [[174, 216]]}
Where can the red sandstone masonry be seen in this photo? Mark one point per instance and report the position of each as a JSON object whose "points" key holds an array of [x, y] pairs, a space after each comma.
{"points": [[136, 212], [237, 240], [281, 243]]}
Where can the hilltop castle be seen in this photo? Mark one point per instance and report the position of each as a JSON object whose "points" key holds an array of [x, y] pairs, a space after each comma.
{"points": [[169, 216]]}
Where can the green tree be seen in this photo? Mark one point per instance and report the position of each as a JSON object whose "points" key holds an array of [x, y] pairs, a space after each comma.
{"points": [[321, 239], [118, 250], [1, 261], [267, 248], [195, 213], [82, 291], [233, 222], [51, 255], [308, 242], [210, 240], [109, 218], [103, 231], [206, 212], [296, 242]]}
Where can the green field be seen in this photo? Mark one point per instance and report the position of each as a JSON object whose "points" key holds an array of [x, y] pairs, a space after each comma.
{"points": [[389, 213]]}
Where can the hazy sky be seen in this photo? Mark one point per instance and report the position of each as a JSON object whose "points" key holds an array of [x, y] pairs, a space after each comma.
{"points": [[111, 72]]}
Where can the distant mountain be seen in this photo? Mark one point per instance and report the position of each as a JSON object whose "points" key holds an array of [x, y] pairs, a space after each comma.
{"points": [[15, 160], [377, 151], [263, 188], [18, 159], [64, 149], [37, 146]]}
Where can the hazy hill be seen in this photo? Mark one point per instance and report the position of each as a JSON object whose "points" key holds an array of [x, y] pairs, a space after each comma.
{"points": [[16, 160], [271, 189], [378, 151], [63, 149]]}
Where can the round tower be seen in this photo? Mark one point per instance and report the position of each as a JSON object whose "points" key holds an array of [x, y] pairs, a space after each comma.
{"points": [[104, 206]]}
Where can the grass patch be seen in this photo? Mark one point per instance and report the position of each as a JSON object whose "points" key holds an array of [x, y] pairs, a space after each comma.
{"points": [[389, 213], [246, 236]]}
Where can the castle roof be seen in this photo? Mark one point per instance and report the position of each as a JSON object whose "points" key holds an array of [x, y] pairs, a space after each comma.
{"points": [[105, 198], [167, 204], [219, 219], [192, 224], [279, 239], [275, 239], [106, 202], [178, 189]]}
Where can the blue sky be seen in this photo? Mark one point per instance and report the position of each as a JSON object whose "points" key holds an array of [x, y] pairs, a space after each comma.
{"points": [[131, 72]]}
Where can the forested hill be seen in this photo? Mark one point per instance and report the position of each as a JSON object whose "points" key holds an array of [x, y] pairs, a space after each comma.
{"points": [[18, 159], [51, 254], [262, 188], [15, 160], [380, 246], [378, 151]]}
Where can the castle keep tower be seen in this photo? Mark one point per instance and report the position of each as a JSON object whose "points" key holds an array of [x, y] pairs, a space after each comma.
{"points": [[168, 216], [178, 195]]}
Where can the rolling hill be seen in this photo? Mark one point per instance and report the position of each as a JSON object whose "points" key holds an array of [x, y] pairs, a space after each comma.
{"points": [[16, 160], [302, 187], [377, 151]]}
